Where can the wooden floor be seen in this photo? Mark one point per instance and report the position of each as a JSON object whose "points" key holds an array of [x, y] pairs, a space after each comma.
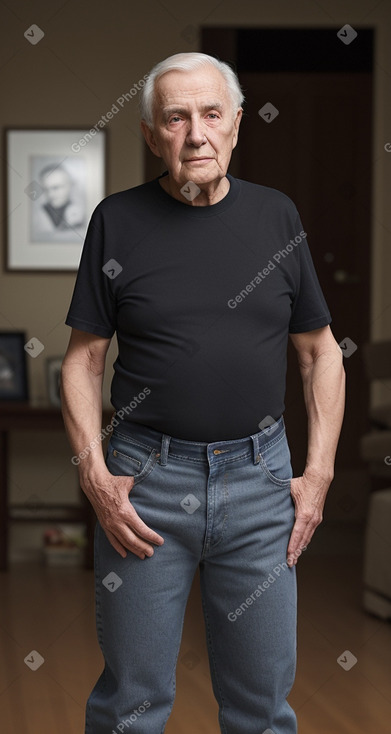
{"points": [[52, 611]]}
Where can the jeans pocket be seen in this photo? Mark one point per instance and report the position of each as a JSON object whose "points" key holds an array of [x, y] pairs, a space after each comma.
{"points": [[130, 459], [275, 461]]}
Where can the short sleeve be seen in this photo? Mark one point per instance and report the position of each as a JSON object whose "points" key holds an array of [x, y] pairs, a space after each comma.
{"points": [[93, 305], [309, 307]]}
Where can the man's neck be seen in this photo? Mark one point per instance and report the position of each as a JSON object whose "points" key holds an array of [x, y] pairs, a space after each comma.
{"points": [[207, 196]]}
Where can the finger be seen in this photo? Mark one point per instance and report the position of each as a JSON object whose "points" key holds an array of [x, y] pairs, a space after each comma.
{"points": [[141, 529], [136, 544], [136, 523], [115, 543], [122, 533], [125, 540], [298, 545], [297, 541], [130, 540]]}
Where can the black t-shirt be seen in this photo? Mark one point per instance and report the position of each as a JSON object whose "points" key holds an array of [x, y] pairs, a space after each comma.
{"points": [[202, 300]]}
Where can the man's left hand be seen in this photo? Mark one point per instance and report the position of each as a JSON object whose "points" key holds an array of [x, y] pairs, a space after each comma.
{"points": [[309, 495]]}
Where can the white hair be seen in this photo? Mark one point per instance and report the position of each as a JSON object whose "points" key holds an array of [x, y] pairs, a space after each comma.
{"points": [[188, 62]]}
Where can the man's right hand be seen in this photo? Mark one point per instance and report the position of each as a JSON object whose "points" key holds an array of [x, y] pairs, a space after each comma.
{"points": [[109, 496]]}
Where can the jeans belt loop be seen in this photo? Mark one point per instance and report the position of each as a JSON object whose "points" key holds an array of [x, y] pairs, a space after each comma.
{"points": [[255, 449], [164, 449]]}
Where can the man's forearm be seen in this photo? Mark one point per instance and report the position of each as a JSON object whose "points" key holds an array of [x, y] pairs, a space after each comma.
{"points": [[81, 397], [324, 395]]}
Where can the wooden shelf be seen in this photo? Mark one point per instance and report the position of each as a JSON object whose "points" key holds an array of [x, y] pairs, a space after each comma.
{"points": [[22, 416], [46, 513]]}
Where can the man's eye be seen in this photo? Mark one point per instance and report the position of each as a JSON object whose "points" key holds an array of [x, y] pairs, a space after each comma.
{"points": [[174, 119], [213, 114]]}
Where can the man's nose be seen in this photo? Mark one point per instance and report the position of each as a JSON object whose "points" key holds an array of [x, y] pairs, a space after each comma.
{"points": [[195, 135]]}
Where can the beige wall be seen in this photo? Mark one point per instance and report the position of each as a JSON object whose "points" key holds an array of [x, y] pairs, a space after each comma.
{"points": [[93, 52]]}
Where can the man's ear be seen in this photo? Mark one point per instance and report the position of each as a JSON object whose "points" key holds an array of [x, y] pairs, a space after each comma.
{"points": [[236, 127], [150, 138]]}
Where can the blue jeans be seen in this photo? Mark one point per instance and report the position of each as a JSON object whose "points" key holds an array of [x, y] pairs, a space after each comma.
{"points": [[225, 507]]}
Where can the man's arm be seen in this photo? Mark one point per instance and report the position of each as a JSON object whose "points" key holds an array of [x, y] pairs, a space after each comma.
{"points": [[320, 360], [81, 396]]}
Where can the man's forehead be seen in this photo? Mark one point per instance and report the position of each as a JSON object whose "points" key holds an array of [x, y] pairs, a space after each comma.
{"points": [[179, 86]]}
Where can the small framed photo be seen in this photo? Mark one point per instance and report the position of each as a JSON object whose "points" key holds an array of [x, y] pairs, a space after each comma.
{"points": [[13, 366], [53, 374], [55, 179]]}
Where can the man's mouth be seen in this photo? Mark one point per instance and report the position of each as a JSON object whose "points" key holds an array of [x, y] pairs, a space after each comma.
{"points": [[193, 160]]}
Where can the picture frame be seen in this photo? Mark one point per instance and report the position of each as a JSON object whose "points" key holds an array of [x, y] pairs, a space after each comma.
{"points": [[54, 180], [53, 372], [13, 366]]}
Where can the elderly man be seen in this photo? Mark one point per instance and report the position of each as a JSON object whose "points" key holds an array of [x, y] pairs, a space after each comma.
{"points": [[202, 277]]}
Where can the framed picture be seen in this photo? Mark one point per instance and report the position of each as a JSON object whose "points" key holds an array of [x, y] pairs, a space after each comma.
{"points": [[13, 366], [55, 179], [53, 372]]}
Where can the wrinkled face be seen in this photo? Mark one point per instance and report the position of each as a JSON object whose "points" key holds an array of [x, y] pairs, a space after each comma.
{"points": [[195, 128], [57, 187]]}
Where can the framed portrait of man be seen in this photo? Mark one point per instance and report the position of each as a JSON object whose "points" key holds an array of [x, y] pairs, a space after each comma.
{"points": [[55, 178]]}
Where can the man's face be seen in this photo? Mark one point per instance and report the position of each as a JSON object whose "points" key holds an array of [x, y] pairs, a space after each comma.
{"points": [[195, 129], [57, 187]]}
